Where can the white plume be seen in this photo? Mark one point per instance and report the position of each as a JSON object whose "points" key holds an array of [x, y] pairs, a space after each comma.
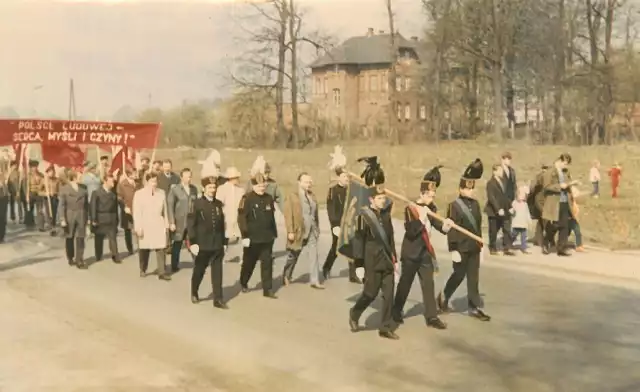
{"points": [[210, 166], [338, 159], [259, 166]]}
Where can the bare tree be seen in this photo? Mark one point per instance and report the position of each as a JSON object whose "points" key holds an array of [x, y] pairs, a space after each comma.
{"points": [[394, 135]]}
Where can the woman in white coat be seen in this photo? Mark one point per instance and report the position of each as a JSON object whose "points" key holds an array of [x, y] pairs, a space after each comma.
{"points": [[230, 194], [151, 223]]}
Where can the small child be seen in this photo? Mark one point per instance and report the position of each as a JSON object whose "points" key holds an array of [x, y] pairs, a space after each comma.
{"points": [[594, 178], [574, 225], [615, 172], [521, 218]]}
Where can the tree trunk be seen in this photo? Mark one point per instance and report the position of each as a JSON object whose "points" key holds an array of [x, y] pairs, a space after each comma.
{"points": [[558, 134], [282, 61], [496, 73], [394, 135], [293, 39]]}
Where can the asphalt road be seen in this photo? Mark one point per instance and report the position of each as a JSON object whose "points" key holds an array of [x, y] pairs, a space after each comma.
{"points": [[106, 329]]}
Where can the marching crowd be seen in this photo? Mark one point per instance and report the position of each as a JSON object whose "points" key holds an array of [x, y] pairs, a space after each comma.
{"points": [[226, 220]]}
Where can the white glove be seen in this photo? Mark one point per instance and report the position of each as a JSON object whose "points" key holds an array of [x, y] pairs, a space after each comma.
{"points": [[360, 272], [246, 242], [455, 257], [501, 212], [447, 224], [224, 249], [194, 249], [336, 231]]}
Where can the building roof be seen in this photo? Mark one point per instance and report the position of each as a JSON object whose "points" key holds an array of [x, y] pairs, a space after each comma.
{"points": [[368, 49]]}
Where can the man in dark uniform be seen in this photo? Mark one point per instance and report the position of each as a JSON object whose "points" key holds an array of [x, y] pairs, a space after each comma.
{"points": [[535, 200], [417, 253], [34, 202], [74, 215], [335, 209], [104, 218], [206, 232], [257, 223], [466, 252], [260, 166], [378, 250], [499, 211]]}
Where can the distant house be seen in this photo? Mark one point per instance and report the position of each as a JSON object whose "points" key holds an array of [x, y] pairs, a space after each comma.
{"points": [[350, 83]]}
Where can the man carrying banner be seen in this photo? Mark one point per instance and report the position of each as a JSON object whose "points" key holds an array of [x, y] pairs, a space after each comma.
{"points": [[466, 252], [378, 250], [336, 200], [417, 253]]}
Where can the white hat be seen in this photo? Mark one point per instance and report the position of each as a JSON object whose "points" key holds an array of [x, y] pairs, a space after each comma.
{"points": [[232, 172]]}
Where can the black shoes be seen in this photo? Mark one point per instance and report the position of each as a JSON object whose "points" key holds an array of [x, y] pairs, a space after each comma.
{"points": [[220, 305], [479, 314], [353, 323], [388, 335], [195, 299], [116, 260], [164, 277], [443, 304], [269, 294], [436, 323]]}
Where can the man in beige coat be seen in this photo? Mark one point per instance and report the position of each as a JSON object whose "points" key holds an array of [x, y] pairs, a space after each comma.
{"points": [[556, 210], [230, 193], [303, 230]]}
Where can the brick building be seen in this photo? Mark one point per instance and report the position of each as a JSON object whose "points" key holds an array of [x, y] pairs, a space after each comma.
{"points": [[350, 83]]}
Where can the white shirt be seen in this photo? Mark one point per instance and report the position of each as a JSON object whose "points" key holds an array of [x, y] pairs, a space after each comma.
{"points": [[424, 218], [594, 174]]}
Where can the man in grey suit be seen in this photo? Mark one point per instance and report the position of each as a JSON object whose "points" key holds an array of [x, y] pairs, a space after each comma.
{"points": [[74, 216], [180, 201]]}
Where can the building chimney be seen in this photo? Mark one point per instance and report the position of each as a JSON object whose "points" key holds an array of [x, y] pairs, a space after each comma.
{"points": [[414, 38], [370, 32]]}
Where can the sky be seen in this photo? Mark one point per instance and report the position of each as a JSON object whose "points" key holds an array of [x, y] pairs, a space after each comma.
{"points": [[143, 52]]}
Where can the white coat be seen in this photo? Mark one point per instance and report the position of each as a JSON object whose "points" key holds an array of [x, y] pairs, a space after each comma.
{"points": [[150, 217], [230, 196]]}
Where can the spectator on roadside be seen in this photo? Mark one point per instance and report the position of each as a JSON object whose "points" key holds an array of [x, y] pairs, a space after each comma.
{"points": [[594, 178], [615, 172], [574, 225], [521, 218]]}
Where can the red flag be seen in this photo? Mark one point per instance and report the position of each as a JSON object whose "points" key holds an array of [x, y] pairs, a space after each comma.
{"points": [[123, 155], [64, 155]]}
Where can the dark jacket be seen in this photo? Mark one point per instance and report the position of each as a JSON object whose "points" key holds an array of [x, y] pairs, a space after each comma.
{"points": [[535, 199], [414, 248], [104, 211], [336, 198], [256, 218], [376, 257], [458, 241], [497, 199], [73, 209], [510, 184], [205, 224], [165, 182]]}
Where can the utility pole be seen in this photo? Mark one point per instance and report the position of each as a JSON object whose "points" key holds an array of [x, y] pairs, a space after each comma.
{"points": [[72, 101]]}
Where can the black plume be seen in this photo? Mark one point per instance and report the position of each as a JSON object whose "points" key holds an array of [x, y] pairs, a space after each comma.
{"points": [[433, 175], [373, 173], [474, 170]]}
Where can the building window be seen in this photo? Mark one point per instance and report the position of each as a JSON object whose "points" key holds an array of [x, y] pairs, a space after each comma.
{"points": [[361, 83], [324, 85], [318, 86], [400, 110], [373, 83], [423, 112], [336, 97], [407, 112], [384, 81], [398, 83], [407, 83]]}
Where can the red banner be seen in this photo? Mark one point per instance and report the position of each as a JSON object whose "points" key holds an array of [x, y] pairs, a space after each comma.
{"points": [[57, 132]]}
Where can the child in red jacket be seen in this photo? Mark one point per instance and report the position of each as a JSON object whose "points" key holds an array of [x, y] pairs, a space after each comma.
{"points": [[615, 172]]}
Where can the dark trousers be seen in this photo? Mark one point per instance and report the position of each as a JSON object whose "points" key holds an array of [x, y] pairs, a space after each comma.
{"points": [[113, 243], [51, 210], [250, 256], [128, 240], [161, 258], [561, 227], [74, 249], [469, 267], [331, 259], [31, 213], [522, 233], [408, 274], [176, 249], [14, 200], [203, 260], [538, 237], [4, 201], [496, 224], [375, 282]]}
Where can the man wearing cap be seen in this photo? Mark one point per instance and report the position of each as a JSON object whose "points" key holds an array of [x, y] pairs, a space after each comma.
{"points": [[417, 254], [257, 224], [466, 252], [74, 215], [179, 202], [208, 241], [378, 248], [230, 194], [104, 218]]}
